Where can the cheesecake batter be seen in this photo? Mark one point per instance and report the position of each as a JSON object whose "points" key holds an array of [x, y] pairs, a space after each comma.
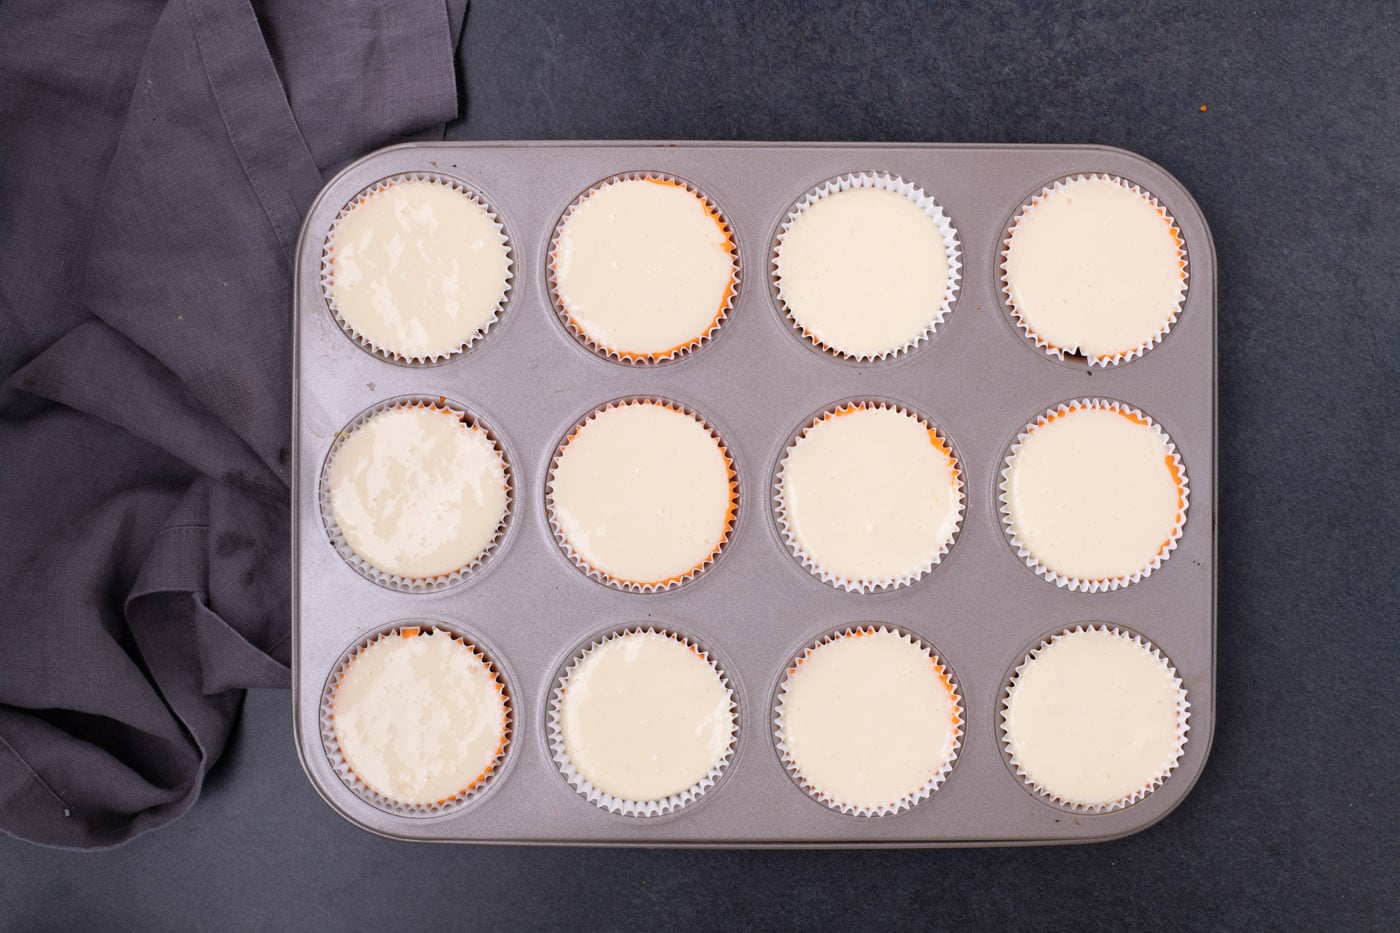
{"points": [[418, 269], [645, 716], [644, 268], [868, 719], [863, 272], [1095, 268], [418, 493], [643, 493], [870, 495], [1094, 494], [419, 717], [1093, 718]]}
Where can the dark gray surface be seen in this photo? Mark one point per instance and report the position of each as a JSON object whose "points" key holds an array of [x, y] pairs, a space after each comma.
{"points": [[1296, 165], [756, 383]]}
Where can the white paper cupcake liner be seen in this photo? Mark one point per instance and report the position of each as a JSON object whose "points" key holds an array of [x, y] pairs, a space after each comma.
{"points": [[1183, 715], [621, 805], [353, 781], [1059, 353], [396, 581], [909, 800], [601, 576], [952, 249], [1077, 584], [328, 270], [814, 566], [624, 356]]}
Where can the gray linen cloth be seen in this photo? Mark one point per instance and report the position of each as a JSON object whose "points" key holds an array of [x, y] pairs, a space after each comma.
{"points": [[156, 158]]}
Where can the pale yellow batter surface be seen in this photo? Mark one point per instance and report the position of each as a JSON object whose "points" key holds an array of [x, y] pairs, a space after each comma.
{"points": [[870, 495], [644, 267], [868, 719], [419, 718], [418, 493], [863, 271], [645, 717], [1094, 494], [418, 269], [643, 493], [1093, 718], [1095, 268]]}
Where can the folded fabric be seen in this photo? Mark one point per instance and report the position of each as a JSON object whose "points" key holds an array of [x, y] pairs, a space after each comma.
{"points": [[156, 159]]}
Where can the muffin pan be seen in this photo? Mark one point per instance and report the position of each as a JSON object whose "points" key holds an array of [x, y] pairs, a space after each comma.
{"points": [[756, 381]]}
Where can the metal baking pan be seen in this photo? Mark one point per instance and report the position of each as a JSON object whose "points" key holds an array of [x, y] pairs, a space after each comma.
{"points": [[982, 608]]}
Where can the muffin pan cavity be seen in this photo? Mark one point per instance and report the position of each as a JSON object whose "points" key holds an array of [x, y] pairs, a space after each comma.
{"points": [[540, 600]]}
